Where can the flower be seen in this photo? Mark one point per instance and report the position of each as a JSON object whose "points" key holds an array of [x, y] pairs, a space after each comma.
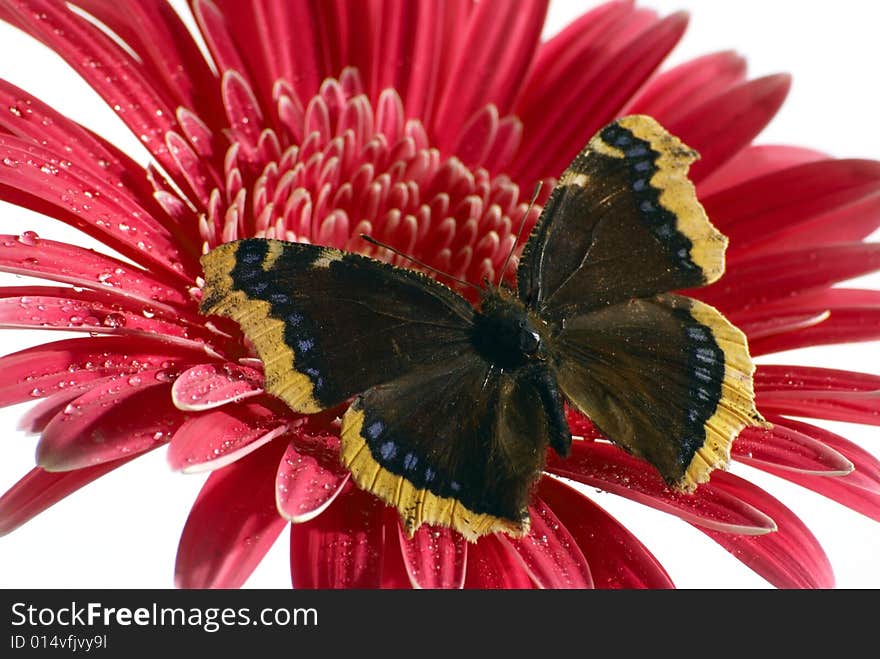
{"points": [[427, 129]]}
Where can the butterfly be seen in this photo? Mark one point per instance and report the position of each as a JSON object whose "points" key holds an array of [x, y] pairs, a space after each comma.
{"points": [[453, 405]]}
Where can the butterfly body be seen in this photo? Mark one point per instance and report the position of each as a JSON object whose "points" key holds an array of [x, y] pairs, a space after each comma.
{"points": [[452, 406]]}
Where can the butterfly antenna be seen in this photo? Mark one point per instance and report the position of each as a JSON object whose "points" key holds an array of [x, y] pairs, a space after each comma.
{"points": [[522, 225], [424, 265]]}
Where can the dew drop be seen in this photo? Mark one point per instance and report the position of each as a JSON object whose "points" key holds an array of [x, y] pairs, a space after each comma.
{"points": [[52, 170], [29, 238], [134, 380], [10, 162], [113, 320]]}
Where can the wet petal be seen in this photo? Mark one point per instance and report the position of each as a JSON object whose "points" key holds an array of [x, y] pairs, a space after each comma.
{"points": [[52, 368], [207, 386], [89, 202], [607, 467], [342, 547], [492, 563], [214, 439], [435, 557], [104, 65], [107, 423], [28, 254], [616, 557], [227, 534], [310, 475], [549, 553]]}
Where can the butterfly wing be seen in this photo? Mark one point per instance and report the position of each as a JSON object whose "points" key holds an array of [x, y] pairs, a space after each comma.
{"points": [[668, 378], [329, 324], [622, 222], [458, 444], [664, 376]]}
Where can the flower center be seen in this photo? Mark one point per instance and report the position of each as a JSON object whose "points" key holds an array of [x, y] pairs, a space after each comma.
{"points": [[343, 167]]}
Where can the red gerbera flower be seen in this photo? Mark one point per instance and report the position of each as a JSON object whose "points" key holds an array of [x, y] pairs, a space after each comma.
{"points": [[425, 125]]}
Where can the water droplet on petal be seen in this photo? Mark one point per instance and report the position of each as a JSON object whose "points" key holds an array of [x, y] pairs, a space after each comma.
{"points": [[10, 162], [29, 238], [114, 320]]}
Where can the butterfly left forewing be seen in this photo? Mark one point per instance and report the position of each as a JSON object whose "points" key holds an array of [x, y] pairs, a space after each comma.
{"points": [[329, 324], [459, 444]]}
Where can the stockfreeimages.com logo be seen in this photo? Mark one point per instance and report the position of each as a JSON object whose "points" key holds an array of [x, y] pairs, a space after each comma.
{"points": [[209, 619]]}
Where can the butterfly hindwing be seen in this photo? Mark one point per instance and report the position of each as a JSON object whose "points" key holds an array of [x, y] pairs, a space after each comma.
{"points": [[329, 324], [459, 444], [667, 378], [622, 222]]}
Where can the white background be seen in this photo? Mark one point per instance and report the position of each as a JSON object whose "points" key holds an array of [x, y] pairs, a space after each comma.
{"points": [[122, 530]]}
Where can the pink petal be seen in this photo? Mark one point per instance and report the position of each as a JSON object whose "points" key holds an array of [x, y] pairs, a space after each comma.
{"points": [[218, 37], [784, 274], [755, 161], [759, 324], [206, 386], [851, 223], [616, 557], [858, 490], [41, 125], [789, 558], [602, 465], [165, 47], [684, 87], [42, 307], [492, 563], [786, 449], [342, 547], [30, 255], [232, 524], [488, 70], [719, 128], [89, 202], [594, 92], [751, 213], [435, 557], [51, 368], [853, 407], [242, 111], [115, 419], [214, 439], [310, 475], [105, 66], [191, 168], [40, 490], [777, 377], [549, 553], [843, 325]]}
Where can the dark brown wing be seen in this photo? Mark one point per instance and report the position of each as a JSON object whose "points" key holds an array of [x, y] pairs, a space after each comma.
{"points": [[623, 222], [667, 378], [329, 324], [458, 444]]}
